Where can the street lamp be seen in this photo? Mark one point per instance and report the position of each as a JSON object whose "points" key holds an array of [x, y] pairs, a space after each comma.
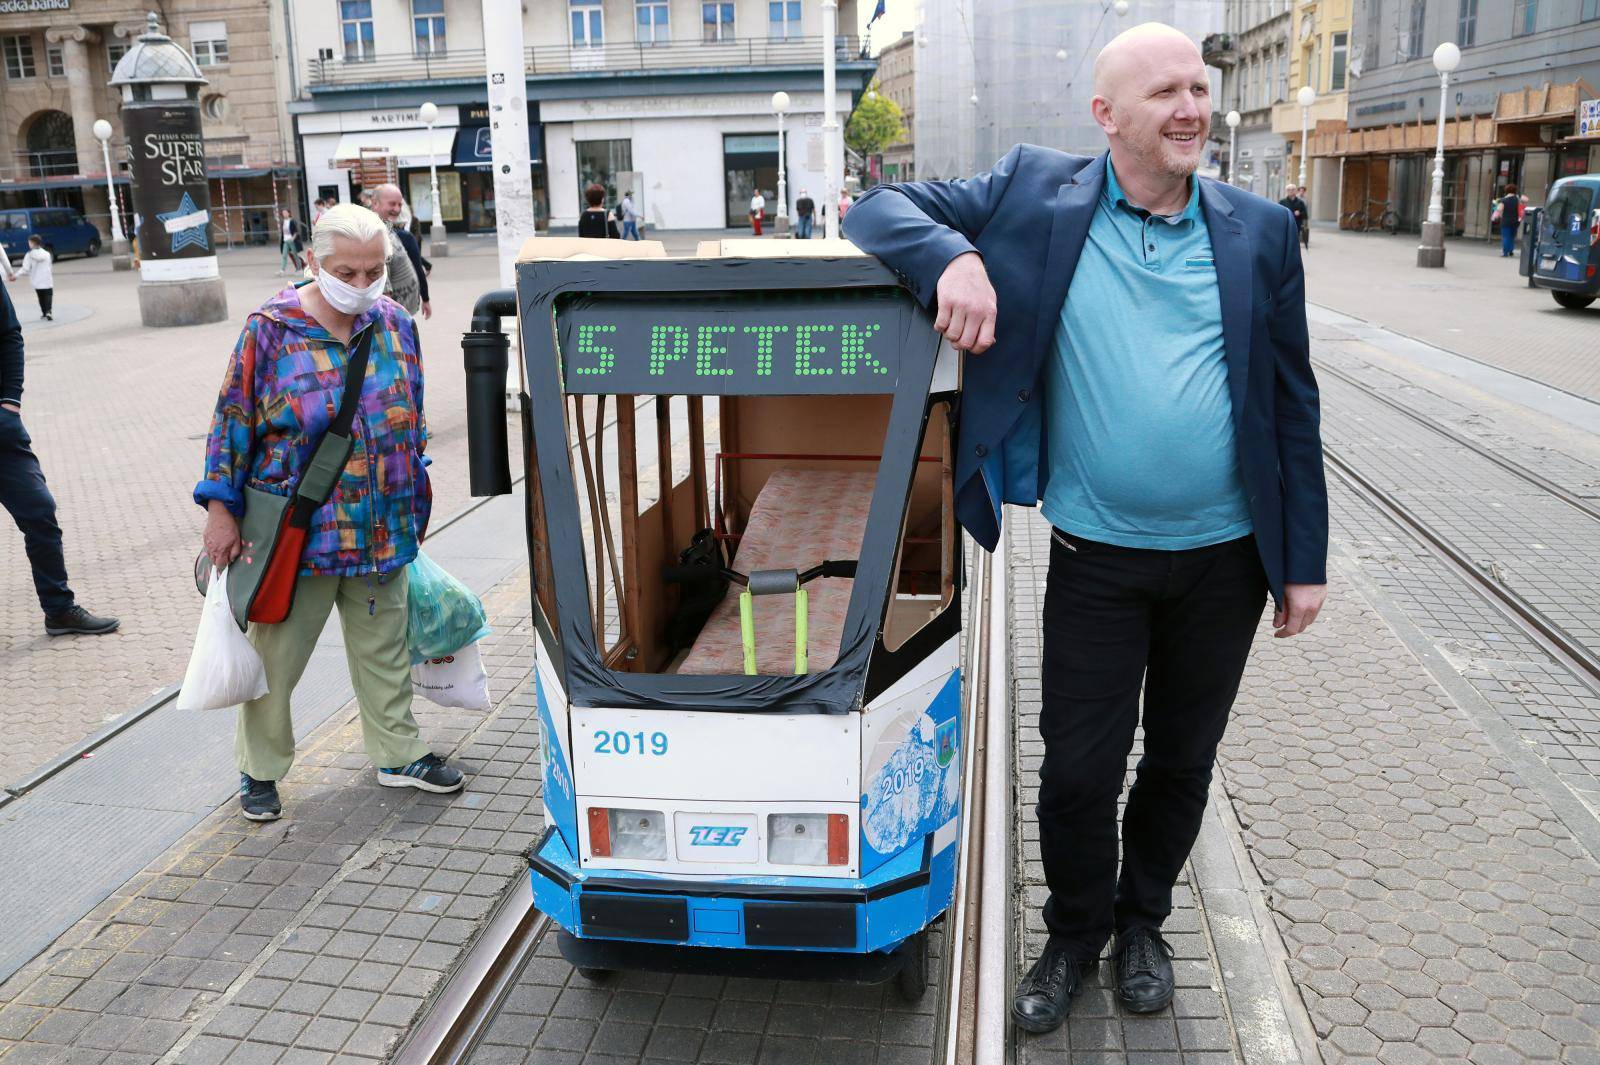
{"points": [[1233, 144], [1430, 252], [438, 242], [780, 104], [120, 259], [1121, 7], [1306, 97]]}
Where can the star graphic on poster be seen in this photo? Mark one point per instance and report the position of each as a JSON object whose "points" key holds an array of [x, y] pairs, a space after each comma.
{"points": [[186, 224]]}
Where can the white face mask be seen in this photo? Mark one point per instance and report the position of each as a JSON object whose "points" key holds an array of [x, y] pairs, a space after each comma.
{"points": [[346, 298]]}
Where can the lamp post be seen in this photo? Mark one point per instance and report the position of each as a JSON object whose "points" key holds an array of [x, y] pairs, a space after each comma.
{"points": [[832, 148], [1306, 97], [120, 260], [1233, 147], [438, 241], [1430, 252], [780, 104]]}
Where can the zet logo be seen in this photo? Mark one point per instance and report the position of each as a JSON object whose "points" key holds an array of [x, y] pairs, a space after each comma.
{"points": [[716, 835], [947, 742]]}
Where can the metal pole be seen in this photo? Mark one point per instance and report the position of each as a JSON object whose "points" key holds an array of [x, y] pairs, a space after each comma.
{"points": [[1305, 144], [833, 159], [783, 185], [508, 133], [1436, 201], [111, 195], [1233, 155], [438, 241]]}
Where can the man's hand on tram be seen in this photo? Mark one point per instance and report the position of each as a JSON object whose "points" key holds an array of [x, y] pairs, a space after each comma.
{"points": [[1302, 603], [966, 304]]}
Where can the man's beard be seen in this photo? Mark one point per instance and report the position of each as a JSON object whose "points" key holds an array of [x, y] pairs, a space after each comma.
{"points": [[1157, 155]]}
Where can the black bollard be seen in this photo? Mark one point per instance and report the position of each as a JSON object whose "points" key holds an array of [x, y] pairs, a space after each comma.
{"points": [[485, 350]]}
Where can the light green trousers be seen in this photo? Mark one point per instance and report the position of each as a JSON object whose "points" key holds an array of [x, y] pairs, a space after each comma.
{"points": [[373, 617]]}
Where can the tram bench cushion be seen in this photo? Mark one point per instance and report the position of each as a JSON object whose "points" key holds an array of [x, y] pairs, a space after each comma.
{"points": [[800, 518]]}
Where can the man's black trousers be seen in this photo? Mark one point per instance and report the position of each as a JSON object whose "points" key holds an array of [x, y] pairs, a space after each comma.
{"points": [[1180, 623], [24, 493]]}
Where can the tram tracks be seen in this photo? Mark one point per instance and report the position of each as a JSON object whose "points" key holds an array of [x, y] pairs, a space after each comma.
{"points": [[1524, 614]]}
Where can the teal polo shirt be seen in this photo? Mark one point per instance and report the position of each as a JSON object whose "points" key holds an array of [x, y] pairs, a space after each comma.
{"points": [[1138, 421]]}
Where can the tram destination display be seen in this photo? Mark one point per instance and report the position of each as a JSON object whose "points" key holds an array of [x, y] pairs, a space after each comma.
{"points": [[759, 343]]}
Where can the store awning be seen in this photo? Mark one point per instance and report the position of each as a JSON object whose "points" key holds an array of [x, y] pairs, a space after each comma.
{"points": [[70, 181], [408, 147], [473, 151]]}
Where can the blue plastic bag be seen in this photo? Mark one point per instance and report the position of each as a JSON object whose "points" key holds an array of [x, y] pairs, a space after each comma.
{"points": [[443, 614]]}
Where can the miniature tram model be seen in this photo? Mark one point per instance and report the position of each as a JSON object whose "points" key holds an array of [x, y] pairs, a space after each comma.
{"points": [[746, 591]]}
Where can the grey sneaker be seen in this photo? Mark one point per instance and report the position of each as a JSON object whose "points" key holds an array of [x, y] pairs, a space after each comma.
{"points": [[430, 773], [259, 798]]}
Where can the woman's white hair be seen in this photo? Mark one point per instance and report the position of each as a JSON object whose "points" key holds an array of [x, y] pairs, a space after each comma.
{"points": [[349, 220]]}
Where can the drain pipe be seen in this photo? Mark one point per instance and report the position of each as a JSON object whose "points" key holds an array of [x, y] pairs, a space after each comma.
{"points": [[485, 351]]}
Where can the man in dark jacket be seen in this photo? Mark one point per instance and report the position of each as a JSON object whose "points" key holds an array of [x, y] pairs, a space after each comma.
{"points": [[805, 211], [1302, 214], [1140, 368], [24, 493], [388, 202]]}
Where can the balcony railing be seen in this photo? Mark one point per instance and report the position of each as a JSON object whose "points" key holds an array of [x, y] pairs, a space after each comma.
{"points": [[566, 59], [1219, 50]]}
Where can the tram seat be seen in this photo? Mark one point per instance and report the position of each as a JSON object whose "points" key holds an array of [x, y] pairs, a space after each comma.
{"points": [[800, 518]]}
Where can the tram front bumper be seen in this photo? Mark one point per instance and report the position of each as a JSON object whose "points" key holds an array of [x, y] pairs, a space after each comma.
{"points": [[871, 914]]}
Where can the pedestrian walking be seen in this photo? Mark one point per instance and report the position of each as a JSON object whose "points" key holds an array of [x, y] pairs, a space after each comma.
{"points": [[595, 221], [26, 496], [758, 208], [1292, 199], [1147, 379], [630, 217], [408, 278], [289, 243], [1508, 212], [844, 204], [38, 264], [318, 208], [283, 383], [805, 210]]}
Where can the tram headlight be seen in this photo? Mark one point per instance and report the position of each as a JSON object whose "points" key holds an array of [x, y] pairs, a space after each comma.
{"points": [[627, 833], [808, 839]]}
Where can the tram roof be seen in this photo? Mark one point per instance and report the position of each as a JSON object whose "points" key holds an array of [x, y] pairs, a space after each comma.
{"points": [[581, 249]]}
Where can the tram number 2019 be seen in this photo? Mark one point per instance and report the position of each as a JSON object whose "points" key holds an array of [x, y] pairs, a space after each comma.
{"points": [[901, 779], [624, 742]]}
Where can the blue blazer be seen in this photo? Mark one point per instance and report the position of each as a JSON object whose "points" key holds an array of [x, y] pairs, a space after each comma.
{"points": [[1028, 218]]}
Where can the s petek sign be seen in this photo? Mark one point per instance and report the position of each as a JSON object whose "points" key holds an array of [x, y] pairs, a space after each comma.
{"points": [[167, 157]]}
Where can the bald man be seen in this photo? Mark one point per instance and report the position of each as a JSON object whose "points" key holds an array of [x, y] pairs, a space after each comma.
{"points": [[1142, 375]]}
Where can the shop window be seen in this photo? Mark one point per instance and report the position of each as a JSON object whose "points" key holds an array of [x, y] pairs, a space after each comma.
{"points": [[588, 23], [1337, 56], [427, 22], [783, 20], [355, 26], [603, 163], [1524, 17], [1467, 23], [209, 43], [18, 51], [55, 61], [716, 22], [650, 24]]}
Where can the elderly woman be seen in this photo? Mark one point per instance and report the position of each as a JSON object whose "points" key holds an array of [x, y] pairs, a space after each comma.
{"points": [[284, 383]]}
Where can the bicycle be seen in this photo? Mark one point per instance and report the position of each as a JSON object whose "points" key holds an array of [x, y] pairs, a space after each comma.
{"points": [[1360, 221]]}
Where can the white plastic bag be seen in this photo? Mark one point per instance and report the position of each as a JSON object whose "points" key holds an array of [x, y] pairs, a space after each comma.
{"points": [[454, 680], [224, 669]]}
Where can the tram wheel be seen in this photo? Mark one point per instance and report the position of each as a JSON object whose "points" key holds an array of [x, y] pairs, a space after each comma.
{"points": [[596, 976], [911, 982]]}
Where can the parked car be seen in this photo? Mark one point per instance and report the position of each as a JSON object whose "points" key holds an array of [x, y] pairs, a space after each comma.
{"points": [[63, 230], [1566, 258]]}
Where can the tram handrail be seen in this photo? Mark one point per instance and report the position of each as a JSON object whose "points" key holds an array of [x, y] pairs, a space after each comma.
{"points": [[994, 944]]}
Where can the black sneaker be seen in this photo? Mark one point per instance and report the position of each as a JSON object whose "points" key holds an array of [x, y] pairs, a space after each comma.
{"points": [[1142, 961], [428, 773], [259, 798], [1044, 996], [75, 621]]}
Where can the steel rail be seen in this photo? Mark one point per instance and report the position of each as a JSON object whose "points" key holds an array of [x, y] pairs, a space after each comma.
{"points": [[452, 1027], [994, 913], [1550, 637], [1511, 466]]}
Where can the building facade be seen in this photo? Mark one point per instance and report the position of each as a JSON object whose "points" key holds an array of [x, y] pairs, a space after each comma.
{"points": [[897, 80], [1319, 57], [1021, 70], [1252, 54], [1511, 113], [58, 56], [667, 99]]}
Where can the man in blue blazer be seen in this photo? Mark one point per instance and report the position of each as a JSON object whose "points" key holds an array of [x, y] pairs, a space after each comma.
{"points": [[1142, 372]]}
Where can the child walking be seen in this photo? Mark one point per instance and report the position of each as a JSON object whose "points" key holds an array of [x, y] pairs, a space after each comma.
{"points": [[36, 264]]}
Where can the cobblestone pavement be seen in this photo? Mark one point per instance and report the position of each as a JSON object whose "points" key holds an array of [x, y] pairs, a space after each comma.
{"points": [[118, 415], [1477, 305]]}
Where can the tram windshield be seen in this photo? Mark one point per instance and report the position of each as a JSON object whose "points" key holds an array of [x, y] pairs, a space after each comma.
{"points": [[755, 487]]}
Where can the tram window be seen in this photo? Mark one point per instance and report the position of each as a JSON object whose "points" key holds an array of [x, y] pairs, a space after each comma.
{"points": [[670, 489], [925, 579]]}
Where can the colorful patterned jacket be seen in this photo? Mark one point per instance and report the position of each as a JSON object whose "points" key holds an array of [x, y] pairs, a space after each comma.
{"points": [[283, 387]]}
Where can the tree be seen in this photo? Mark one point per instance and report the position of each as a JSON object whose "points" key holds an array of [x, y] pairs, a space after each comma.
{"points": [[876, 123]]}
